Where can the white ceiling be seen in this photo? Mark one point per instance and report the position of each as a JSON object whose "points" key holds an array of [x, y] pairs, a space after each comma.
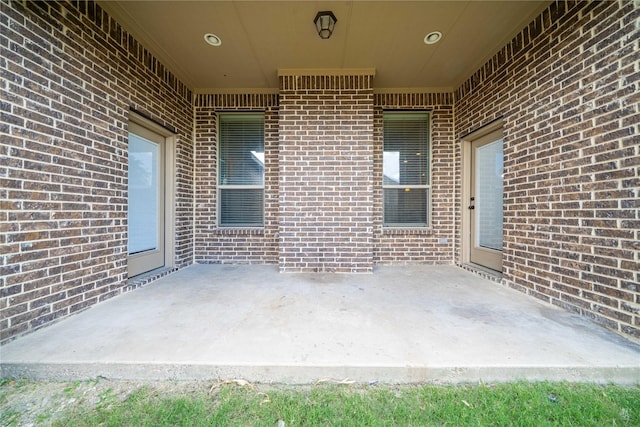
{"points": [[261, 37]]}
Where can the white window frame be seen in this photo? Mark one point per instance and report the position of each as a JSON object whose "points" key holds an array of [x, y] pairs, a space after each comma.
{"points": [[222, 186], [423, 187]]}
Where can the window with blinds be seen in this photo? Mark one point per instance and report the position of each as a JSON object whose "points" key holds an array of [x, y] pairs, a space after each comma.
{"points": [[241, 170], [406, 174]]}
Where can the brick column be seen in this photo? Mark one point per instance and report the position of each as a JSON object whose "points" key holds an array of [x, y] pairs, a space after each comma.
{"points": [[326, 172]]}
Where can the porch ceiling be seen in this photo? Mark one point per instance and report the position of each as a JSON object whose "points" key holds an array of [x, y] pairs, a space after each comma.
{"points": [[260, 37]]}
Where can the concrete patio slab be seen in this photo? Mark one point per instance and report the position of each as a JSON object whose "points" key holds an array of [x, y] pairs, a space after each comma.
{"points": [[398, 325]]}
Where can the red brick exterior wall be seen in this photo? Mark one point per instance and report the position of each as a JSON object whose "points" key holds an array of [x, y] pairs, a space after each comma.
{"points": [[567, 89], [233, 245], [69, 78], [435, 244], [321, 181], [326, 173]]}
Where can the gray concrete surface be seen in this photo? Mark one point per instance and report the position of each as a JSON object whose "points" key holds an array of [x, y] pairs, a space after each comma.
{"points": [[398, 325]]}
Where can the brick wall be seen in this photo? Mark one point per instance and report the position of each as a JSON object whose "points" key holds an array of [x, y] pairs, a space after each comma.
{"points": [[229, 245], [567, 89], [318, 174], [70, 75], [326, 173], [435, 244]]}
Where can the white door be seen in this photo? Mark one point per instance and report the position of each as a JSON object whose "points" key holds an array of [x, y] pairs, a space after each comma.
{"points": [[145, 216], [485, 204]]}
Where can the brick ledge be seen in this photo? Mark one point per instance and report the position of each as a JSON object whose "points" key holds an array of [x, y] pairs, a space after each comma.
{"points": [[396, 231], [239, 231]]}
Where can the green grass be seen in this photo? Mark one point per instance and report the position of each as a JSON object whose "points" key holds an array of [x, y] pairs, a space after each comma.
{"points": [[518, 404], [8, 416]]}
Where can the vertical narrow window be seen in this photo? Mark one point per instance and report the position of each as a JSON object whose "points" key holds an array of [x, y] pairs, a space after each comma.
{"points": [[241, 170], [406, 174]]}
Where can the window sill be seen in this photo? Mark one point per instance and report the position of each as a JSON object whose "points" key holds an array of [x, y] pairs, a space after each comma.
{"points": [[401, 231], [240, 231]]}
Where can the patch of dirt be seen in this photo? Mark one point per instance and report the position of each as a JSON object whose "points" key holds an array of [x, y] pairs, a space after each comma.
{"points": [[42, 403], [30, 403]]}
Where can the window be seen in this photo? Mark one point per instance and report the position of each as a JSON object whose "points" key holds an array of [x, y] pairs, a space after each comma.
{"points": [[241, 170], [406, 181]]}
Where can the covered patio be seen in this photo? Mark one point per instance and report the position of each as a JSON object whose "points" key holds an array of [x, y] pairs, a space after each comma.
{"points": [[402, 324], [547, 90]]}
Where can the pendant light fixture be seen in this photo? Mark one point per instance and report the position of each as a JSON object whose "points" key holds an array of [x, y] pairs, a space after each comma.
{"points": [[325, 22]]}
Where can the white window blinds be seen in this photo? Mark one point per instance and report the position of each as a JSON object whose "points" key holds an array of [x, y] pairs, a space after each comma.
{"points": [[406, 161], [241, 170]]}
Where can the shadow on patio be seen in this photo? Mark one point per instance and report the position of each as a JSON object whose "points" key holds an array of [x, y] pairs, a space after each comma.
{"points": [[397, 325]]}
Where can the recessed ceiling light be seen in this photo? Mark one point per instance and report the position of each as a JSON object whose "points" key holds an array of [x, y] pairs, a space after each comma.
{"points": [[212, 39], [433, 37]]}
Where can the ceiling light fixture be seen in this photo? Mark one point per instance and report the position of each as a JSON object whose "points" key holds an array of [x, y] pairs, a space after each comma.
{"points": [[433, 37], [212, 39], [325, 22]]}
